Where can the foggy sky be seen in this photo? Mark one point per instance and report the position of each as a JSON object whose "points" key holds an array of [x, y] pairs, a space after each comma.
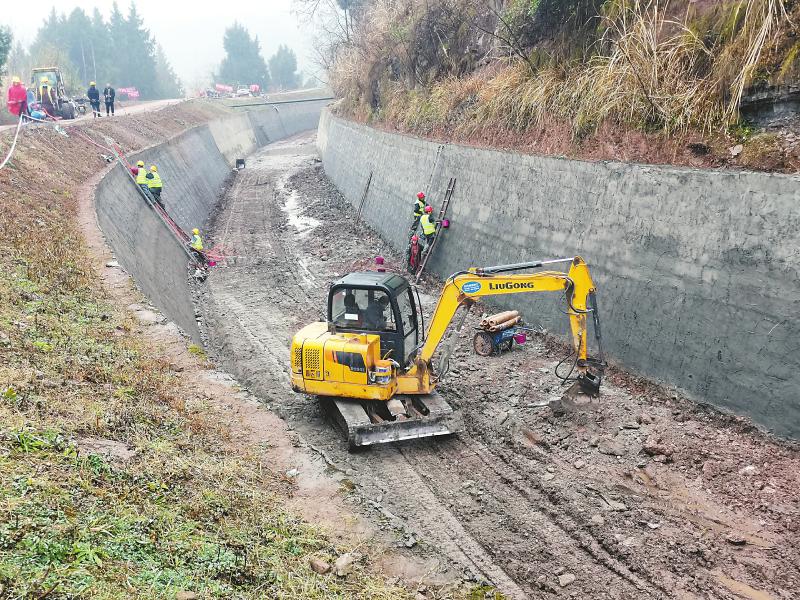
{"points": [[189, 31]]}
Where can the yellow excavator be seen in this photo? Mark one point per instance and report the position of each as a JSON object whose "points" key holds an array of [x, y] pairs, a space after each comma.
{"points": [[371, 362]]}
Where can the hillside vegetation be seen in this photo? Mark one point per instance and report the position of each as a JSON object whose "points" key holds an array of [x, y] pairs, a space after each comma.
{"points": [[186, 511], [460, 67]]}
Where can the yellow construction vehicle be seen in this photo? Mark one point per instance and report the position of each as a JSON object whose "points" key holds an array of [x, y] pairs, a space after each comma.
{"points": [[370, 361], [47, 84]]}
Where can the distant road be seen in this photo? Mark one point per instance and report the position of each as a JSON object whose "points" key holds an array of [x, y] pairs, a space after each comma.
{"points": [[277, 97], [122, 108]]}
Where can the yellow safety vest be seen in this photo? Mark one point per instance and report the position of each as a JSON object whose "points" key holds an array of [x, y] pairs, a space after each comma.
{"points": [[154, 181], [419, 208], [428, 226], [197, 242], [141, 176]]}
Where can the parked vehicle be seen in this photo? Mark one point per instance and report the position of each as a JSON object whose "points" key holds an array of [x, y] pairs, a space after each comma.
{"points": [[57, 103]]}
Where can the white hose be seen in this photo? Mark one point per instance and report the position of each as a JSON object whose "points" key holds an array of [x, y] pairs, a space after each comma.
{"points": [[13, 144]]}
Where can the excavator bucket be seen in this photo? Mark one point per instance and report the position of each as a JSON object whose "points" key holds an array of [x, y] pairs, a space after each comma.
{"points": [[366, 423]]}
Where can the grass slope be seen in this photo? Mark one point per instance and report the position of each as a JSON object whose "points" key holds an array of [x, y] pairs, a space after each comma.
{"points": [[188, 511]]}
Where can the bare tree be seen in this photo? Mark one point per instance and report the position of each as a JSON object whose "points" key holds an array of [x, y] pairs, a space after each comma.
{"points": [[333, 23]]}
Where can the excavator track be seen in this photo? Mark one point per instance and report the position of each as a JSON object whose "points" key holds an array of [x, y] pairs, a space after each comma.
{"points": [[366, 423]]}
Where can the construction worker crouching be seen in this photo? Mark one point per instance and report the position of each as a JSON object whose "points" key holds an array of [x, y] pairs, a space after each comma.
{"points": [[197, 242], [154, 184]]}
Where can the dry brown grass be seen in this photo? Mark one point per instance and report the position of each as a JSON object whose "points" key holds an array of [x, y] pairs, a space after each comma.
{"points": [[648, 71]]}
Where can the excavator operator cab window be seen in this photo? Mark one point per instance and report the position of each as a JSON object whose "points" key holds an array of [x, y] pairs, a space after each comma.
{"points": [[408, 318], [369, 310], [377, 303]]}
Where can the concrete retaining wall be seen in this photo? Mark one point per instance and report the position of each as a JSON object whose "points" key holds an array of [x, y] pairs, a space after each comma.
{"points": [[154, 259], [194, 167], [698, 272]]}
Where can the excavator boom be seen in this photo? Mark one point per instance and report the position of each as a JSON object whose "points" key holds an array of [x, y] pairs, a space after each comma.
{"points": [[462, 289]]}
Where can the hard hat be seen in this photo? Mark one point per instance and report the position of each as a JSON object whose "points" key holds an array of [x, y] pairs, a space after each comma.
{"points": [[140, 163], [153, 168], [421, 195], [44, 80], [196, 231], [15, 79], [429, 209], [92, 83], [415, 238]]}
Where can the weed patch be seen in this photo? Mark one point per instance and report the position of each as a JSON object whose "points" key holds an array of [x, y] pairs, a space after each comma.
{"points": [[646, 65]]}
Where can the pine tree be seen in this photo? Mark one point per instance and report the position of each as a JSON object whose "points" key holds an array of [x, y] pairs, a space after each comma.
{"points": [[283, 69], [77, 43], [102, 51], [121, 52], [117, 38], [51, 33], [5, 46], [243, 63], [135, 54], [168, 84]]}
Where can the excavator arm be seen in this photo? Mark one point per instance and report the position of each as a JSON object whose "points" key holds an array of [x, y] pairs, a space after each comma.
{"points": [[462, 289]]}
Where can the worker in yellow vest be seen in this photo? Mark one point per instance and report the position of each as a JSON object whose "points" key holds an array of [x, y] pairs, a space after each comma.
{"points": [[141, 179], [47, 96], [428, 226], [154, 184], [196, 244], [197, 241], [419, 210]]}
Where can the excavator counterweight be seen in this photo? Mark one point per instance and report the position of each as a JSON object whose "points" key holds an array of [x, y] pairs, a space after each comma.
{"points": [[370, 363]]}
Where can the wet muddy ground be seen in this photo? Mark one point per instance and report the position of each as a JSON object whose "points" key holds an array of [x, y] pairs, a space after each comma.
{"points": [[642, 494]]}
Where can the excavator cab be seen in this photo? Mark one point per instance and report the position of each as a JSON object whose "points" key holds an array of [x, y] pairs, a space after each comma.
{"points": [[377, 303]]}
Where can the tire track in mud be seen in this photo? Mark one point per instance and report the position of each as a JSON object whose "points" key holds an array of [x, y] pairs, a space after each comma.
{"points": [[436, 524], [521, 471], [510, 534], [252, 320], [504, 497], [242, 209], [536, 509]]}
